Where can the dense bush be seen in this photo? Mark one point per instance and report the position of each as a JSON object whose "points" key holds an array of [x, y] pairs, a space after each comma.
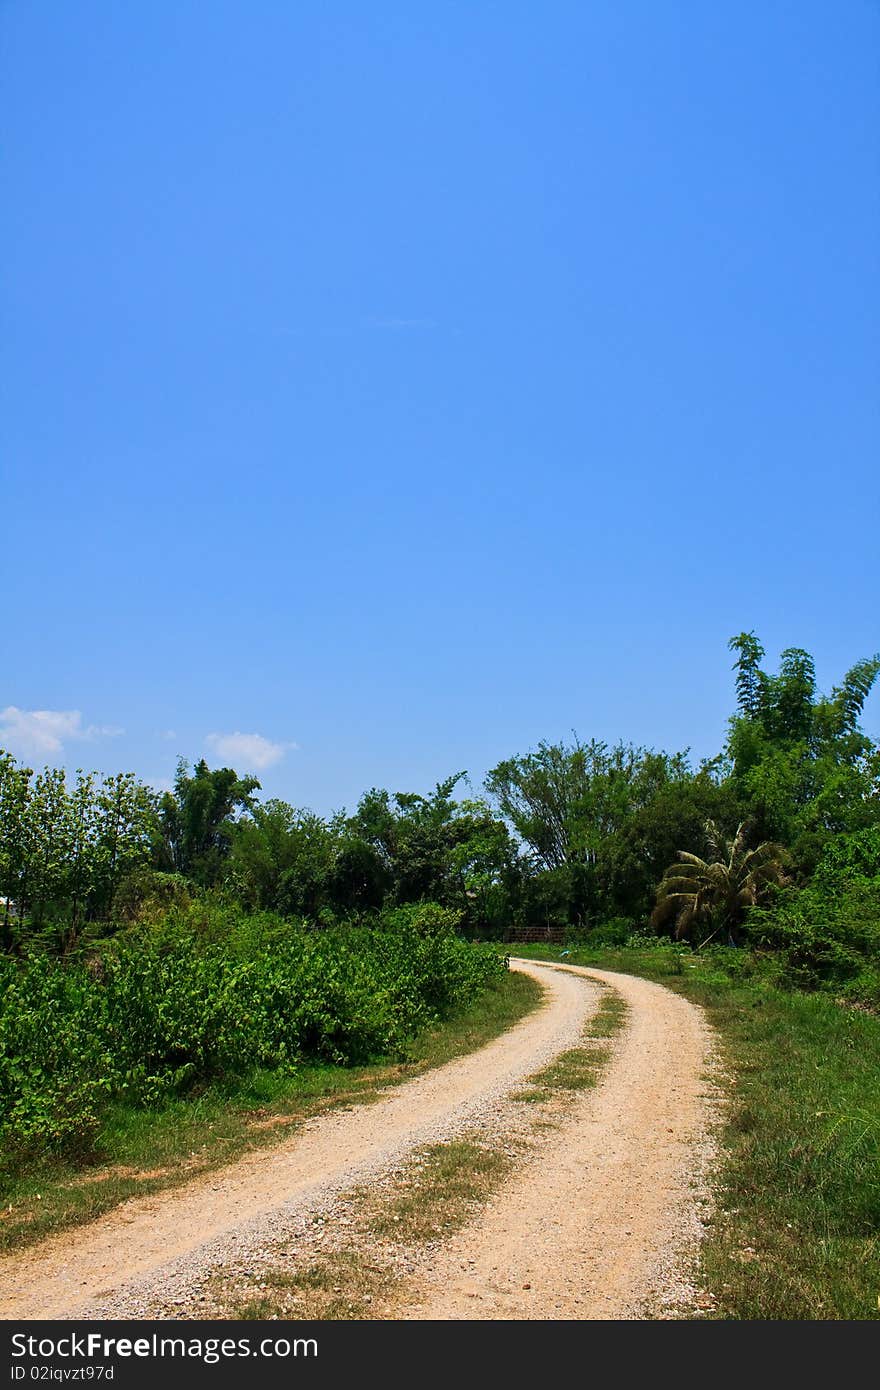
{"points": [[820, 940], [616, 931], [827, 935], [849, 859], [208, 994]]}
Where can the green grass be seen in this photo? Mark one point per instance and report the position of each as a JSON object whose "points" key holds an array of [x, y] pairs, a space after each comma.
{"points": [[575, 1070], [142, 1151], [581, 1067], [797, 1231], [610, 1016], [445, 1186]]}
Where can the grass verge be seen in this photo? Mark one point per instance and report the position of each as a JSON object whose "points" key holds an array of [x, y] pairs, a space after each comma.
{"points": [[575, 1070], [444, 1185], [796, 1235], [145, 1151]]}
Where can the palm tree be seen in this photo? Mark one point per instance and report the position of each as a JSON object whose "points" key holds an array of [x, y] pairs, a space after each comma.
{"points": [[719, 889]]}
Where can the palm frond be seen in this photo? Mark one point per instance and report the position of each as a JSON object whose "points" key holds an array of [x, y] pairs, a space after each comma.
{"points": [[723, 886], [694, 859], [738, 843]]}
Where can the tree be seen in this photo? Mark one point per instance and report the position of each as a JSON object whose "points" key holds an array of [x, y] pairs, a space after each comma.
{"points": [[717, 891], [82, 863], [196, 819], [552, 798], [670, 806], [126, 829], [15, 790], [605, 822], [434, 848], [358, 880], [786, 706], [65, 846], [49, 842], [751, 682], [800, 761]]}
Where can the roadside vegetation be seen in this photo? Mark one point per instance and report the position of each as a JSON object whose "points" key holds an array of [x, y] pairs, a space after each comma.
{"points": [[158, 949], [148, 1017]]}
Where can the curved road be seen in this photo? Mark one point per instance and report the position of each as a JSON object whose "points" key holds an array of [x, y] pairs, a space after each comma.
{"points": [[611, 1227], [613, 1216]]}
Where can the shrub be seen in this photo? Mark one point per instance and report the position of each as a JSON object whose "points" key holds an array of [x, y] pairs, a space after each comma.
{"points": [[207, 993], [615, 932], [824, 940]]}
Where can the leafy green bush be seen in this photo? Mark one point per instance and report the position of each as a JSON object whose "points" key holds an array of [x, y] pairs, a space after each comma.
{"points": [[822, 939], [615, 932], [207, 993], [55, 1070], [849, 859]]}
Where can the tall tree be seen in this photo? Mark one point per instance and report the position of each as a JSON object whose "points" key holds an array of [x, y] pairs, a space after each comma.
{"points": [[434, 847], [126, 831], [800, 760], [281, 859], [197, 817], [604, 821], [562, 799], [751, 681]]}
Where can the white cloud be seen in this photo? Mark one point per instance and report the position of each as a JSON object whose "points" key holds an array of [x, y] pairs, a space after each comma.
{"points": [[40, 732], [250, 751]]}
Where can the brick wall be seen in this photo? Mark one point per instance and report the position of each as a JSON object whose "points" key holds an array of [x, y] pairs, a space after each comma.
{"points": [[555, 935]]}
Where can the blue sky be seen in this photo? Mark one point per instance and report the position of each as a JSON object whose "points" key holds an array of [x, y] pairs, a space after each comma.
{"points": [[397, 385]]}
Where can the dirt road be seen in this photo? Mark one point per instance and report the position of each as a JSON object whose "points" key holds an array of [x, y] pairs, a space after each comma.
{"points": [[608, 1227]]}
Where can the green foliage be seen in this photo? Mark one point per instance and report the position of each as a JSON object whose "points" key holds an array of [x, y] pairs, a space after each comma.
{"points": [[434, 847], [824, 941], [617, 931], [423, 919], [602, 824], [827, 935], [848, 859], [394, 849], [211, 993], [800, 761], [148, 895], [55, 1057], [810, 778], [281, 860], [196, 819], [696, 894], [65, 848]]}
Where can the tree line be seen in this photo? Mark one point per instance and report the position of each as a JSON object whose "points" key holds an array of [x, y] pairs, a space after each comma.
{"points": [[578, 834]]}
